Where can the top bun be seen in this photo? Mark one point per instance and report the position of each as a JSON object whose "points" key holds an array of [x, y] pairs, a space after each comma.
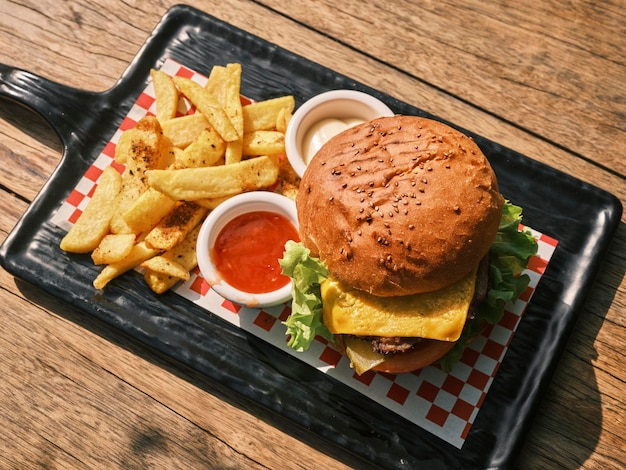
{"points": [[399, 205]]}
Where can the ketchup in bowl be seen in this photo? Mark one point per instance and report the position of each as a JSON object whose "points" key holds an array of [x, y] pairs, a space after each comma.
{"points": [[240, 243], [247, 249]]}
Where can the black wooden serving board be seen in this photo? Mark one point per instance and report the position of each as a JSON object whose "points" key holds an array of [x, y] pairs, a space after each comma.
{"points": [[581, 217]]}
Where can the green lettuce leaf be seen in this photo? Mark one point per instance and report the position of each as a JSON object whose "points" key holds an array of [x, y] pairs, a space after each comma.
{"points": [[307, 273], [508, 257]]}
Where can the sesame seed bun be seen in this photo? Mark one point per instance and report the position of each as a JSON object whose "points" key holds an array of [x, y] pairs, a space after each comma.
{"points": [[399, 205]]}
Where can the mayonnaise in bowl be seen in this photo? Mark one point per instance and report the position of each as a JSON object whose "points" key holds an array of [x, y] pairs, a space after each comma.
{"points": [[324, 116], [322, 131]]}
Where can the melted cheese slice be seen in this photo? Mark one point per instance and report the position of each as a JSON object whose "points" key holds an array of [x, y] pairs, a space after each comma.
{"points": [[438, 315]]}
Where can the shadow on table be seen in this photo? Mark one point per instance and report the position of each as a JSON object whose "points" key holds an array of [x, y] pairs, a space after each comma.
{"points": [[121, 339], [569, 420]]}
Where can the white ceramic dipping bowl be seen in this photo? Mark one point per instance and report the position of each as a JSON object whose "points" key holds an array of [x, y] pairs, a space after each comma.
{"points": [[213, 225], [342, 105]]}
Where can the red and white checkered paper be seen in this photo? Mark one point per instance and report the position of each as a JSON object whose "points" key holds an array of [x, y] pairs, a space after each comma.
{"points": [[445, 404]]}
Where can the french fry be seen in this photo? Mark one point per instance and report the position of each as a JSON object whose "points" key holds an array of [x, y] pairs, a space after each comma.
{"points": [[166, 95], [175, 226], [263, 143], [233, 108], [139, 253], [289, 190], [289, 179], [224, 84], [183, 254], [161, 265], [147, 210], [132, 188], [263, 116], [232, 97], [93, 224], [216, 83], [183, 130], [191, 184], [282, 120], [159, 282], [234, 152], [147, 149], [122, 148], [113, 248], [206, 150], [208, 106]]}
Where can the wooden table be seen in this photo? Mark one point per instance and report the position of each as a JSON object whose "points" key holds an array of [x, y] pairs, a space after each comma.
{"points": [[547, 79]]}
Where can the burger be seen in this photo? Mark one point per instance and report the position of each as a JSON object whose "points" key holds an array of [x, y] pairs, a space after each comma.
{"points": [[408, 249]]}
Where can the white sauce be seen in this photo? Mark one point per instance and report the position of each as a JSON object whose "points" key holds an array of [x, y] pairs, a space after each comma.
{"points": [[321, 132]]}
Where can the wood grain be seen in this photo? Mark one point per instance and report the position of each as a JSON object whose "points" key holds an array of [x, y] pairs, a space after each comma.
{"points": [[546, 79]]}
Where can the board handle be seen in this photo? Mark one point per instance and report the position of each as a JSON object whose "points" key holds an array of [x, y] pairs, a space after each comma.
{"points": [[61, 106]]}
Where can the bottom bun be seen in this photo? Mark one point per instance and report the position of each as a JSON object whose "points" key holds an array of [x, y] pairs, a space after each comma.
{"points": [[423, 354]]}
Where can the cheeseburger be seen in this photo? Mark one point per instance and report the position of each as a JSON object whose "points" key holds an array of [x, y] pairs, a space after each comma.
{"points": [[397, 263]]}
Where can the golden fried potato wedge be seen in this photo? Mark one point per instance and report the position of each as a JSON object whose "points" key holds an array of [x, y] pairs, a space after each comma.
{"points": [[132, 188], [147, 210], [183, 254], [93, 224], [263, 143], [147, 149], [234, 152], [183, 130], [282, 120], [113, 248], [166, 95], [191, 184], [159, 282], [206, 150], [233, 108], [216, 83], [175, 226], [162, 265], [204, 102], [122, 148], [263, 116], [224, 84], [139, 253]]}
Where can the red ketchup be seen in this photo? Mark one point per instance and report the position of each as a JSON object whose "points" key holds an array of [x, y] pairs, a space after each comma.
{"points": [[248, 248]]}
